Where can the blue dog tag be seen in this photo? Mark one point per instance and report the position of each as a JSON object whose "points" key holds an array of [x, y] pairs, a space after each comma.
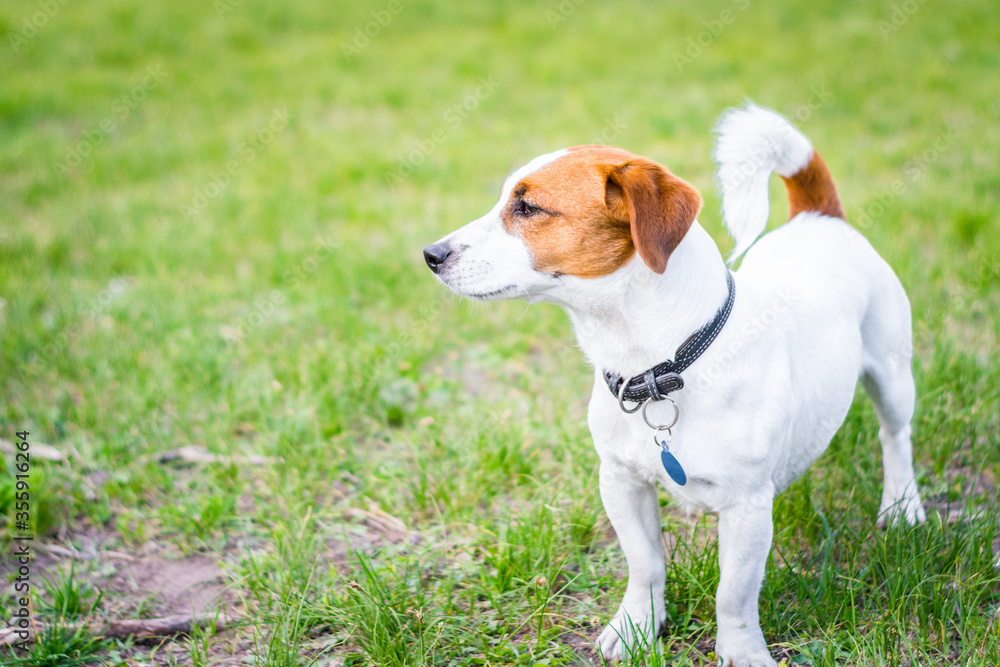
{"points": [[672, 465]]}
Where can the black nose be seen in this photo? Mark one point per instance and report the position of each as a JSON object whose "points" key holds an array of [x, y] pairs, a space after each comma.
{"points": [[435, 254]]}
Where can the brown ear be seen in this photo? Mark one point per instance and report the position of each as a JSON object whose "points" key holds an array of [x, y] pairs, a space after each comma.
{"points": [[658, 206]]}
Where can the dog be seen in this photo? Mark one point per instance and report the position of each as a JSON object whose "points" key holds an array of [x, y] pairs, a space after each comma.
{"points": [[743, 377]]}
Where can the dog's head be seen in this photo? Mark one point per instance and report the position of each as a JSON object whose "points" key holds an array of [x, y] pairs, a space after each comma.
{"points": [[583, 211]]}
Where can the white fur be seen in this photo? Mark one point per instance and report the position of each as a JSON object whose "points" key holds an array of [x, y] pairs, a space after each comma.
{"points": [[752, 143], [816, 309]]}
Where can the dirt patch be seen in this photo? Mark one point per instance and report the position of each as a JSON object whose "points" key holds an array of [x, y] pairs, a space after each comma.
{"points": [[191, 585], [978, 494], [152, 581]]}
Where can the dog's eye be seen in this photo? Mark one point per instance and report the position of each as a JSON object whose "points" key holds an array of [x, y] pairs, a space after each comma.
{"points": [[526, 209]]}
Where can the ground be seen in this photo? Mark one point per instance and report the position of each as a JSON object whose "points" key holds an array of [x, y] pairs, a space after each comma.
{"points": [[210, 242]]}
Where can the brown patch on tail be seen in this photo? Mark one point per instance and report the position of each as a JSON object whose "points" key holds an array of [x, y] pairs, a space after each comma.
{"points": [[811, 189]]}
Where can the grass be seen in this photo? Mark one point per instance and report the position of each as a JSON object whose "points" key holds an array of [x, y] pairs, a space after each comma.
{"points": [[210, 235], [70, 597], [67, 638]]}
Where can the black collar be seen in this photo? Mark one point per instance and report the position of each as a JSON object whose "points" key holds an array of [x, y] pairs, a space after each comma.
{"points": [[664, 378]]}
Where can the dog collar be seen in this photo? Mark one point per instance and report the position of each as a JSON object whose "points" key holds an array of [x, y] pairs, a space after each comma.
{"points": [[660, 380], [665, 378]]}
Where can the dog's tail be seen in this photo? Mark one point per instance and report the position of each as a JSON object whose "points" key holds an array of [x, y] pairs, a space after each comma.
{"points": [[752, 143]]}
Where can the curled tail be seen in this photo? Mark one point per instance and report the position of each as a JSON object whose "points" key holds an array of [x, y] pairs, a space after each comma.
{"points": [[753, 142]]}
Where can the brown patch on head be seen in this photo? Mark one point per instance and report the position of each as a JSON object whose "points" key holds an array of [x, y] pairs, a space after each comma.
{"points": [[586, 213], [811, 189]]}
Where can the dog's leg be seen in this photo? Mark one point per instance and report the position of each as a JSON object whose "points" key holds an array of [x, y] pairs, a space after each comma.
{"points": [[633, 507], [892, 392], [744, 543], [887, 340]]}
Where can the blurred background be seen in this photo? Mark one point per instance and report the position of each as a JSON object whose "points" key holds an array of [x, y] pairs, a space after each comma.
{"points": [[215, 313]]}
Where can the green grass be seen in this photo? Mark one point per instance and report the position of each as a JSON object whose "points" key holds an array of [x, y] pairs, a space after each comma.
{"points": [[235, 264], [67, 637], [69, 596]]}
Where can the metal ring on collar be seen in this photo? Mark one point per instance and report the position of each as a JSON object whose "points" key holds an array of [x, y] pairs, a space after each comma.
{"points": [[677, 414], [621, 400], [657, 432]]}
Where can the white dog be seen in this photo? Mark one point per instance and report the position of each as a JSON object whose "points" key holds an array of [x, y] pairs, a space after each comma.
{"points": [[762, 363]]}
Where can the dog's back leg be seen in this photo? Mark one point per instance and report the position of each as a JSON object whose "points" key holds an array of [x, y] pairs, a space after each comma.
{"points": [[888, 379]]}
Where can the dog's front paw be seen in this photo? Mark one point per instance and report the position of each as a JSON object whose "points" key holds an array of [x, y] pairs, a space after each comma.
{"points": [[899, 507], [759, 660], [743, 649], [627, 634]]}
